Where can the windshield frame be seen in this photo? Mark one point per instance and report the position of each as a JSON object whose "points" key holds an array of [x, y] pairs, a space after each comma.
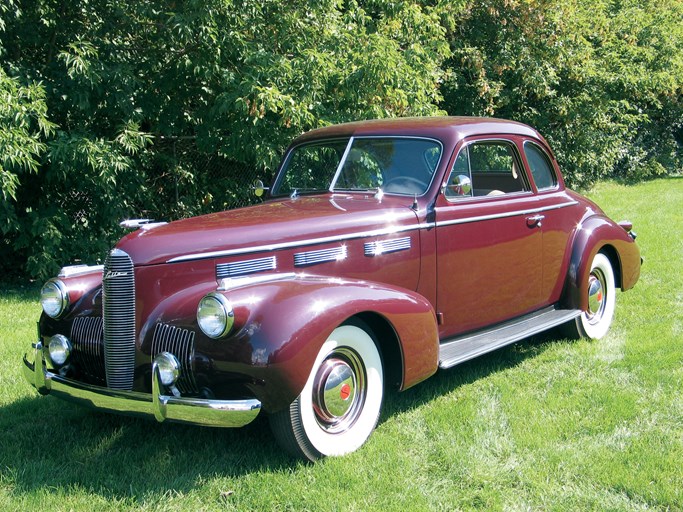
{"points": [[349, 145]]}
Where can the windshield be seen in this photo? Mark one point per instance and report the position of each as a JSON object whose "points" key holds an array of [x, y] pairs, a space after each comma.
{"points": [[395, 165]]}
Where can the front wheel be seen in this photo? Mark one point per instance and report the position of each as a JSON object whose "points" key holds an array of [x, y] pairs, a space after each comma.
{"points": [[595, 322], [340, 404]]}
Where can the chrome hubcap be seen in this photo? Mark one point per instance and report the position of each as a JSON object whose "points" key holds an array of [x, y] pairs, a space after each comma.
{"points": [[596, 296], [339, 390]]}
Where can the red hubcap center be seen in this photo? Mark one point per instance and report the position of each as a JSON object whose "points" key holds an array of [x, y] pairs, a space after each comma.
{"points": [[345, 392]]}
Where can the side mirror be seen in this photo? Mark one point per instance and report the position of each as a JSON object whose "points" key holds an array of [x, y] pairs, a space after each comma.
{"points": [[459, 185], [259, 188]]}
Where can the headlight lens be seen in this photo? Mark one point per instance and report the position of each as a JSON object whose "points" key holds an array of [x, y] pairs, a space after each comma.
{"points": [[215, 315], [169, 368], [54, 298], [60, 349]]}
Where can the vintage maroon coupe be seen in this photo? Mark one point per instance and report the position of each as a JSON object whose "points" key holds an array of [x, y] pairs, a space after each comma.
{"points": [[385, 251]]}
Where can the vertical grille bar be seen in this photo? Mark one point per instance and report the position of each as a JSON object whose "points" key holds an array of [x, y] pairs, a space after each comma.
{"points": [[86, 336], [118, 296], [180, 343]]}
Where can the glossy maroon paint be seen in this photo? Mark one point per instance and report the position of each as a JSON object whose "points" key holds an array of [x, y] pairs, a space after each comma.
{"points": [[470, 264]]}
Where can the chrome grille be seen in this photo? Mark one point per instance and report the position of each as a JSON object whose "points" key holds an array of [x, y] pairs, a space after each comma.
{"points": [[180, 343], [118, 304], [87, 334]]}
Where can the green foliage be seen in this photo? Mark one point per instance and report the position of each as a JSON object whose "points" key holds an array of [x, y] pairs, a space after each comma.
{"points": [[601, 80], [94, 96], [243, 78]]}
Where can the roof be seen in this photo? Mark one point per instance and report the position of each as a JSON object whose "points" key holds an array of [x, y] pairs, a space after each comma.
{"points": [[438, 127]]}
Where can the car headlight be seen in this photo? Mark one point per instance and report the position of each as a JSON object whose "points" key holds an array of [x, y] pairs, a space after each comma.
{"points": [[169, 368], [60, 349], [54, 298], [215, 315]]}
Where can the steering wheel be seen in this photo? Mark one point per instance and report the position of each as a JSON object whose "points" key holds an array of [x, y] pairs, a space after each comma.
{"points": [[404, 184]]}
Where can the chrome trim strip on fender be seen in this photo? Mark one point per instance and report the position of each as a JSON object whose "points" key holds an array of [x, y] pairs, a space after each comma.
{"points": [[232, 283], [516, 213], [302, 243], [360, 234], [78, 270]]}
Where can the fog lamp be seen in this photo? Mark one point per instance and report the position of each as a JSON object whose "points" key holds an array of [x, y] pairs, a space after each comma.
{"points": [[169, 368], [215, 316], [59, 349], [54, 298]]}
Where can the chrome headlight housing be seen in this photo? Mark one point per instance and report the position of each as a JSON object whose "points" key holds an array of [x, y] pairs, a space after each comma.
{"points": [[168, 367], [54, 298], [215, 315], [59, 349]]}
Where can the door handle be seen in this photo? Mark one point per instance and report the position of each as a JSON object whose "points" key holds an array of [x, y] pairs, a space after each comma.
{"points": [[535, 221]]}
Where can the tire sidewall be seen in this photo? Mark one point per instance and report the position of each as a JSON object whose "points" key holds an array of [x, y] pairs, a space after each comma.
{"points": [[599, 329], [329, 444]]}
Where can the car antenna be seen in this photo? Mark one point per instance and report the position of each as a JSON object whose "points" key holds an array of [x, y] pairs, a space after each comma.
{"points": [[414, 206]]}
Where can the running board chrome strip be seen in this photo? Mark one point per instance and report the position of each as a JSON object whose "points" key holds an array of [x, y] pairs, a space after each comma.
{"points": [[463, 348]]}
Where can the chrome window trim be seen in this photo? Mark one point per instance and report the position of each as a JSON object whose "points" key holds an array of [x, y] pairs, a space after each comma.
{"points": [[279, 176], [516, 155], [341, 164], [549, 161]]}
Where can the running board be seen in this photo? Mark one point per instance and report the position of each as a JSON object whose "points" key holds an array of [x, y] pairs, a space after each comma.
{"points": [[458, 350]]}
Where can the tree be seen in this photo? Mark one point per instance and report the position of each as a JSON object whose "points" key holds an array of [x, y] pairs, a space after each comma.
{"points": [[601, 79]]}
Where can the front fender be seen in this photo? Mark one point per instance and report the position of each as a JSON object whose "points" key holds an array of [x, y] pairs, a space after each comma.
{"points": [[598, 233], [287, 320]]}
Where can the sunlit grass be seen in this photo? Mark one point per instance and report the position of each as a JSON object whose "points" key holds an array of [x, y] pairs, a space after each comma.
{"points": [[547, 424]]}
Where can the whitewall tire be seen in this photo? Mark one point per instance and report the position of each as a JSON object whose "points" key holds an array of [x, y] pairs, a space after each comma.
{"points": [[340, 404], [597, 319]]}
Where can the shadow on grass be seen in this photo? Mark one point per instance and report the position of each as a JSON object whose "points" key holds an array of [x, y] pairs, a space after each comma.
{"points": [[445, 381], [48, 444]]}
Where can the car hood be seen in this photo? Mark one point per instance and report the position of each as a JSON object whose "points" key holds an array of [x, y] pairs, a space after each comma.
{"points": [[267, 226]]}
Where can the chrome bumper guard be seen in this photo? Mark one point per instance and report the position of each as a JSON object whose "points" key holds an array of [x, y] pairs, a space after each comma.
{"points": [[195, 411]]}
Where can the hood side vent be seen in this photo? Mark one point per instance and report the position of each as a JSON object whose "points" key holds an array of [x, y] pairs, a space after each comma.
{"points": [[319, 256], [384, 246], [240, 268]]}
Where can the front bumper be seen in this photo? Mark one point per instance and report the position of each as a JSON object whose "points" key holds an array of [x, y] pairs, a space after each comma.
{"points": [[195, 411]]}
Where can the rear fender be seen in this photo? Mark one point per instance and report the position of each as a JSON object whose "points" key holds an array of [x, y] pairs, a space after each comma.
{"points": [[595, 234]]}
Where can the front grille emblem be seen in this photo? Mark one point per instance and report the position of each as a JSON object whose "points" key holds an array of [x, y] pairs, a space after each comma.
{"points": [[111, 275]]}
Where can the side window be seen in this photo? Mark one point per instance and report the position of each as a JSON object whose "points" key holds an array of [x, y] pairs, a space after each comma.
{"points": [[540, 166], [489, 168]]}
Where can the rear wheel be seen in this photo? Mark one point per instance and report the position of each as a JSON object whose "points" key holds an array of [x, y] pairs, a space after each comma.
{"points": [[340, 404], [595, 322]]}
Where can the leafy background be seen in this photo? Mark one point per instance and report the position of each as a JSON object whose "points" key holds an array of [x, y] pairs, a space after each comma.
{"points": [[111, 109]]}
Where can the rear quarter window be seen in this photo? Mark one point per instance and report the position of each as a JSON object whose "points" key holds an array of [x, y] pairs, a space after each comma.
{"points": [[540, 166]]}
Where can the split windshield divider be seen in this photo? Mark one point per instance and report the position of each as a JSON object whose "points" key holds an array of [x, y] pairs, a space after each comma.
{"points": [[341, 164]]}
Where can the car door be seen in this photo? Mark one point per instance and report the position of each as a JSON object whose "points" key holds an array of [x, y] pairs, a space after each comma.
{"points": [[559, 217], [489, 242]]}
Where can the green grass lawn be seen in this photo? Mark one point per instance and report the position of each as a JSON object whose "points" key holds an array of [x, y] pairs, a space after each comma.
{"points": [[546, 424]]}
